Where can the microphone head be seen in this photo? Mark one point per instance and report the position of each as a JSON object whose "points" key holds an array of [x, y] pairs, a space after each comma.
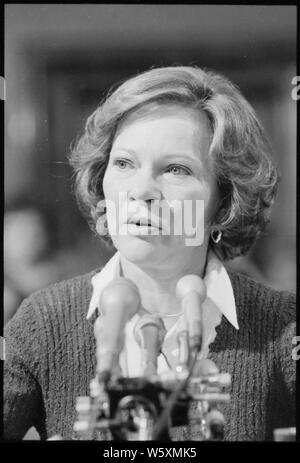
{"points": [[119, 301], [98, 327], [205, 367], [121, 292], [189, 283]]}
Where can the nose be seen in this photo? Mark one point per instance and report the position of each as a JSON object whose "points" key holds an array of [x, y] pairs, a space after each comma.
{"points": [[144, 188]]}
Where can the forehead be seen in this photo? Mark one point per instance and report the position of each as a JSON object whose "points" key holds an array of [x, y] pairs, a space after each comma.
{"points": [[172, 126]]}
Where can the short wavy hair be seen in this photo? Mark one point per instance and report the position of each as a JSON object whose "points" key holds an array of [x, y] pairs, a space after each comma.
{"points": [[244, 169]]}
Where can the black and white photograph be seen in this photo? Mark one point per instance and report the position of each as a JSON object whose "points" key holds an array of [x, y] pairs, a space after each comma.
{"points": [[149, 225]]}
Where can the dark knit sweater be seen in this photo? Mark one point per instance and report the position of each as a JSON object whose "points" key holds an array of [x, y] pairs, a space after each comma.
{"points": [[50, 360]]}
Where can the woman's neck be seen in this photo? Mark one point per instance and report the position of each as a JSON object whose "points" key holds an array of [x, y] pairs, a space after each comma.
{"points": [[157, 286]]}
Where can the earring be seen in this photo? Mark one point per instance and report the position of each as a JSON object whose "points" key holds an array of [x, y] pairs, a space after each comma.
{"points": [[101, 222], [101, 225], [215, 238]]}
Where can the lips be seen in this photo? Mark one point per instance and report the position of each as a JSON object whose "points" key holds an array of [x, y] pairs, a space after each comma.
{"points": [[144, 221]]}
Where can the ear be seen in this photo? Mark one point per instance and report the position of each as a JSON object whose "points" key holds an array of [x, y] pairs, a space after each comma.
{"points": [[101, 225], [98, 210]]}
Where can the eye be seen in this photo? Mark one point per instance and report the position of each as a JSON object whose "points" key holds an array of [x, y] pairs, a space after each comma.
{"points": [[121, 163], [177, 169]]}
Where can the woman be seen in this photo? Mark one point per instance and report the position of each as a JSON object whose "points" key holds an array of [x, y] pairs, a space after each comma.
{"points": [[172, 136]]}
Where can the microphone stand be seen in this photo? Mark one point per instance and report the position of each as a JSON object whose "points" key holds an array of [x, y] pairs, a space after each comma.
{"points": [[160, 430]]}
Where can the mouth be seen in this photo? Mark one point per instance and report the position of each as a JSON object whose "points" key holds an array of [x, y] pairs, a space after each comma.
{"points": [[143, 222]]}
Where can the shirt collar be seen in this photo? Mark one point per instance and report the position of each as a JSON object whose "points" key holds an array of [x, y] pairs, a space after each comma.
{"points": [[218, 285]]}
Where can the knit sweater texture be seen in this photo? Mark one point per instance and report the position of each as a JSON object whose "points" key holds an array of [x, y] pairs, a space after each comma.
{"points": [[50, 360]]}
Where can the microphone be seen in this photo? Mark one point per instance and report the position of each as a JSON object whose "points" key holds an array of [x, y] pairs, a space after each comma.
{"points": [[205, 367], [183, 345], [191, 291], [119, 301], [149, 333], [216, 424]]}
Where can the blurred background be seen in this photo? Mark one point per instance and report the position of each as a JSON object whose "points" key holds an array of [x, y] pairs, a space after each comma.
{"points": [[60, 60]]}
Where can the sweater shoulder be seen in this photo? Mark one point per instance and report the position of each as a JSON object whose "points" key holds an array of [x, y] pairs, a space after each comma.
{"points": [[70, 295], [260, 299], [68, 287]]}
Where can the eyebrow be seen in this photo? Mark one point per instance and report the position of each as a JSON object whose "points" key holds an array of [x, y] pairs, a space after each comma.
{"points": [[169, 155], [119, 148]]}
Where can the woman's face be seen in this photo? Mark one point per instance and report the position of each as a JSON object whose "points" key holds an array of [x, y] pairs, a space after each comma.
{"points": [[160, 158]]}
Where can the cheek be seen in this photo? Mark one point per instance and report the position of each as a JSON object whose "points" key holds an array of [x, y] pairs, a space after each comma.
{"points": [[200, 205], [114, 185], [117, 211], [212, 203], [110, 203], [107, 185], [111, 190]]}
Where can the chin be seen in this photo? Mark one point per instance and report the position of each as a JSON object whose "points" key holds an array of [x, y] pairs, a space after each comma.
{"points": [[135, 249]]}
